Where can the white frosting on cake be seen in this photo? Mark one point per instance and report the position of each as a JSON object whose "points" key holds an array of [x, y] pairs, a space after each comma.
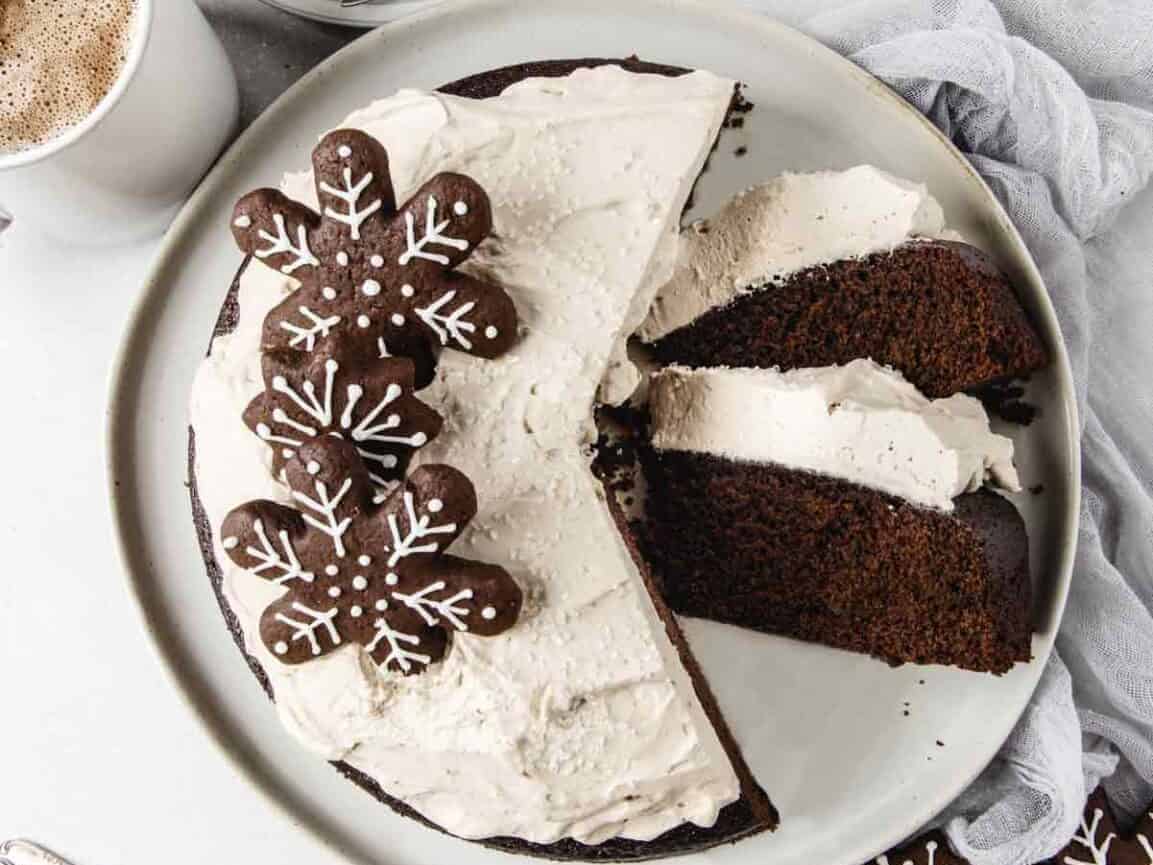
{"points": [[580, 721], [790, 223], [860, 422]]}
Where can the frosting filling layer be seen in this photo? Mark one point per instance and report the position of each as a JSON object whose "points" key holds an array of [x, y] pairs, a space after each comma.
{"points": [[580, 722], [860, 422], [788, 224]]}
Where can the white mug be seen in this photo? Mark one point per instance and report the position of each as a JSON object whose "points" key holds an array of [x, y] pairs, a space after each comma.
{"points": [[122, 172]]}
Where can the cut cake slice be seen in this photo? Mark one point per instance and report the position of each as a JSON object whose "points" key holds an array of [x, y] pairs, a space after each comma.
{"points": [[814, 269], [819, 504]]}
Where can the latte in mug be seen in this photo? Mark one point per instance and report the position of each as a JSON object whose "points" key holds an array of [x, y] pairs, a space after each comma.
{"points": [[58, 60]]}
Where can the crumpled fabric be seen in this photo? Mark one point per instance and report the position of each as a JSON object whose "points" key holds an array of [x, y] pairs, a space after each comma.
{"points": [[1053, 104]]}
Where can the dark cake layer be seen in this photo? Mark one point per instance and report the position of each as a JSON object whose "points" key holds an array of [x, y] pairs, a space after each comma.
{"points": [[750, 814], [940, 312], [492, 83], [824, 560]]}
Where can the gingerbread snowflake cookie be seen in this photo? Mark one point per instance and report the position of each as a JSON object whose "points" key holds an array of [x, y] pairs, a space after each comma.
{"points": [[1097, 842], [931, 849], [344, 389], [365, 266], [356, 572]]}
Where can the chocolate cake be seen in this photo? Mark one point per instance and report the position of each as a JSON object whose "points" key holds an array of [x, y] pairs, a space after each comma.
{"points": [[823, 560], [397, 371], [939, 311], [751, 810], [485, 85], [814, 460]]}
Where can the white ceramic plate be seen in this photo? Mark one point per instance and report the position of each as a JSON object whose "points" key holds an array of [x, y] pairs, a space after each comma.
{"points": [[824, 731], [371, 14]]}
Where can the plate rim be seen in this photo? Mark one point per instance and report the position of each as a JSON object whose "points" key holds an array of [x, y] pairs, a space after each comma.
{"points": [[388, 12], [166, 256]]}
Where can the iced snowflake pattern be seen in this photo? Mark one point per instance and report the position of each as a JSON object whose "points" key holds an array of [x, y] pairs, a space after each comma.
{"points": [[365, 266], [344, 389], [355, 571], [1097, 841], [1092, 841], [931, 850]]}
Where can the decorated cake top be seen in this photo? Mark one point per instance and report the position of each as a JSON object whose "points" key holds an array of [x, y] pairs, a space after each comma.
{"points": [[580, 721], [338, 411], [860, 422]]}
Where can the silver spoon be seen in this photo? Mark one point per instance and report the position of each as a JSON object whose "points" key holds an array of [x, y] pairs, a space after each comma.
{"points": [[18, 851]]}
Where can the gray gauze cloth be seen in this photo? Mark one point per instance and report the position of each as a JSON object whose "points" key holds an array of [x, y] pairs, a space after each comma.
{"points": [[1053, 104]]}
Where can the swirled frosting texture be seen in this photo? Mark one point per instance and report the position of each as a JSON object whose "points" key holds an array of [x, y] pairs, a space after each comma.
{"points": [[785, 225], [860, 422], [579, 722]]}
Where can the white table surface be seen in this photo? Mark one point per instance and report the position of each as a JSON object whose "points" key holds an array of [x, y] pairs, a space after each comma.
{"points": [[99, 758]]}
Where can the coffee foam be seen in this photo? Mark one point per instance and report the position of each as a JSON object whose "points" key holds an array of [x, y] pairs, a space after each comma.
{"points": [[58, 60]]}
